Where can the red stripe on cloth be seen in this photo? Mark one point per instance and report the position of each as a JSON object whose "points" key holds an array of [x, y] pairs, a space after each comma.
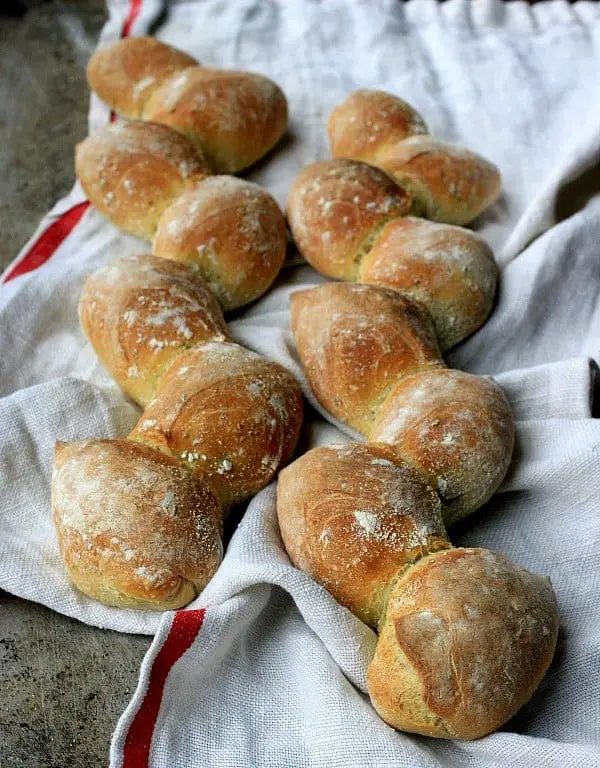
{"points": [[135, 6], [183, 632], [48, 242]]}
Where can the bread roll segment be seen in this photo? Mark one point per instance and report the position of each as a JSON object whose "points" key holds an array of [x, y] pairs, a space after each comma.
{"points": [[232, 118], [135, 528], [125, 74], [447, 183], [371, 358], [448, 269], [336, 207], [465, 636], [148, 180], [139, 313], [232, 231], [354, 342], [231, 415], [132, 172], [352, 516], [219, 423], [368, 122], [350, 222], [457, 428]]}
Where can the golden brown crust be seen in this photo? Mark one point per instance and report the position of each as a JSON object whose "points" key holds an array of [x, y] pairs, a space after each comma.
{"points": [[135, 528], [229, 414], [140, 313], [466, 638], [126, 73], [368, 122], [355, 341], [220, 421], [224, 411], [447, 183], [347, 219], [132, 171], [457, 428], [372, 360], [336, 207], [352, 516], [233, 118], [448, 269], [232, 231]]}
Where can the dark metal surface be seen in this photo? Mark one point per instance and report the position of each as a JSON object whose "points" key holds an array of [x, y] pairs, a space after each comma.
{"points": [[63, 684]]}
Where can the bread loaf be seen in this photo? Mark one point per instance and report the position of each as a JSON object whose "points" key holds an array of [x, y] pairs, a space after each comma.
{"points": [[371, 358], [139, 519], [349, 222], [465, 635], [231, 118], [447, 183], [136, 528], [150, 181]]}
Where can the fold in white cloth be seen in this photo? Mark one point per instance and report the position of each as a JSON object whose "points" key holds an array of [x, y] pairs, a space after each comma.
{"points": [[276, 675]]}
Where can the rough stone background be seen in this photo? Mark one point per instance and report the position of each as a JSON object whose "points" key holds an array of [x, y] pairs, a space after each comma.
{"points": [[63, 684]]}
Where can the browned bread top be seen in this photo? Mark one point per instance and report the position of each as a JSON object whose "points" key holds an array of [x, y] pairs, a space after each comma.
{"points": [[355, 341], [131, 172], [231, 118], [372, 360], [466, 639], [140, 312], [136, 529], [349, 222], [352, 516], [447, 183], [126, 73], [232, 231], [368, 122]]}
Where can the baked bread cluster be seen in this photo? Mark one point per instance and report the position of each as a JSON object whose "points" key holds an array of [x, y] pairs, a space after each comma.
{"points": [[465, 635], [140, 520]]}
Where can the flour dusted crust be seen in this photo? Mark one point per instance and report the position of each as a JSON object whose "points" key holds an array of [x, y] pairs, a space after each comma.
{"points": [[352, 516], [132, 171], [135, 528], [355, 342], [466, 639], [125, 74], [349, 221], [447, 183], [134, 516], [232, 231], [465, 636], [457, 428], [149, 180], [336, 207], [231, 118], [372, 359], [368, 122], [449, 270], [140, 312], [229, 414]]}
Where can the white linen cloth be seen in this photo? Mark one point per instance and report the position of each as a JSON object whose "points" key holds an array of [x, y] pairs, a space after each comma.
{"points": [[276, 675]]}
